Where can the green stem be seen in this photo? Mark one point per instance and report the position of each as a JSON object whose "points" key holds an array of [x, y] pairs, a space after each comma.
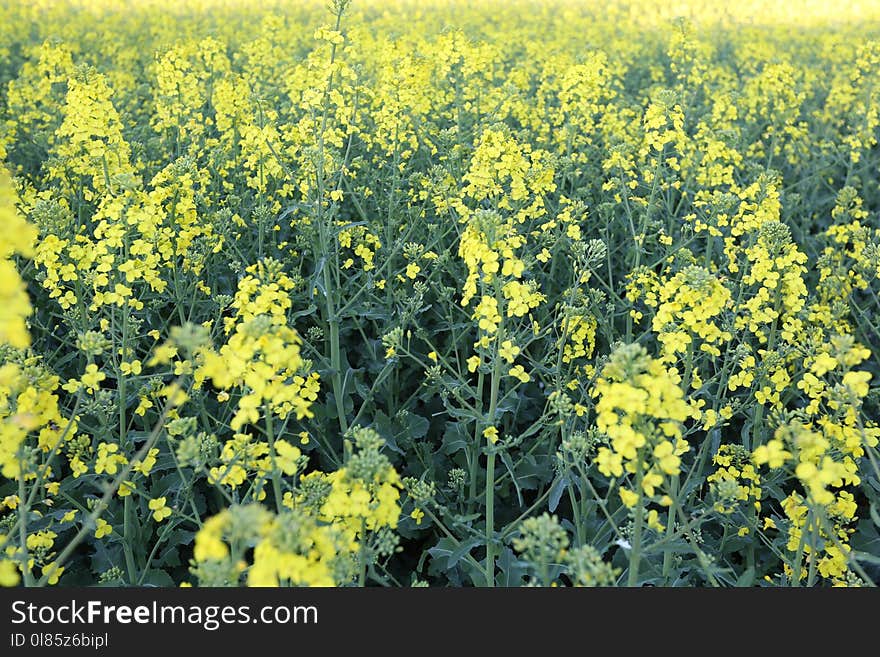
{"points": [[795, 579], [490, 462], [670, 528], [814, 535], [128, 522], [578, 518], [325, 225], [127, 537], [474, 453], [362, 576], [757, 431], [635, 554], [490, 519], [276, 475], [22, 528]]}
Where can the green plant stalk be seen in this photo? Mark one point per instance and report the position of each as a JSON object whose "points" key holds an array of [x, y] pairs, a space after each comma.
{"points": [[795, 578], [474, 454], [578, 515], [511, 526], [703, 560], [332, 317], [166, 530], [362, 556], [601, 502], [635, 554], [186, 486], [674, 483], [670, 528], [335, 353], [758, 416], [637, 239], [750, 550], [276, 474], [127, 536], [127, 510], [22, 528], [814, 535], [490, 463], [451, 537], [490, 519]]}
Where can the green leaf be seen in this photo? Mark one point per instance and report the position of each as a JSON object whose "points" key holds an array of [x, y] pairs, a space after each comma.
{"points": [[874, 515], [747, 578], [463, 549], [416, 426], [455, 438], [559, 486], [158, 578], [505, 458]]}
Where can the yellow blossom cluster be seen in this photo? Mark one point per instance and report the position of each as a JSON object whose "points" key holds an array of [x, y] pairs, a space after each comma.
{"points": [[354, 296], [640, 406], [319, 535], [262, 355]]}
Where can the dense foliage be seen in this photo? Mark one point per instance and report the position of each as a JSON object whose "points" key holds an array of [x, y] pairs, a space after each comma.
{"points": [[407, 293]]}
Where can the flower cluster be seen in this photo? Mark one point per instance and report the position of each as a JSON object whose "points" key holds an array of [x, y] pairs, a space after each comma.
{"points": [[641, 407], [262, 355], [550, 297], [329, 527]]}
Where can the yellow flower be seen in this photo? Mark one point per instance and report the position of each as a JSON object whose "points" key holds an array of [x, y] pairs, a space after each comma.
{"points": [[144, 405], [487, 315], [518, 372], [628, 497], [491, 433], [666, 457], [92, 378], [209, 543], [857, 382], [17, 237], [102, 528], [133, 368], [610, 463], [773, 454], [148, 463], [159, 509], [109, 460], [8, 573], [653, 521], [287, 457], [822, 364], [508, 351], [53, 573]]}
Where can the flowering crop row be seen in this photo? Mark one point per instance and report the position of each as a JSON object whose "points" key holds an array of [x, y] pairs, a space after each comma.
{"points": [[544, 292]]}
